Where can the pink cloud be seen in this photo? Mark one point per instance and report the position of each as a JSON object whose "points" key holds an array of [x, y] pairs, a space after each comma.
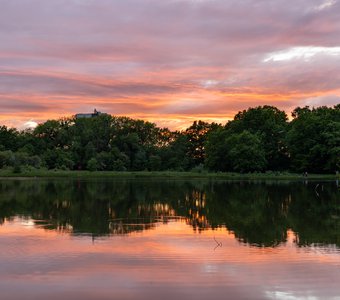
{"points": [[168, 60]]}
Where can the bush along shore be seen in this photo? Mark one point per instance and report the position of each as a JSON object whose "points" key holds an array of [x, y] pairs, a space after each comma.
{"points": [[258, 142]]}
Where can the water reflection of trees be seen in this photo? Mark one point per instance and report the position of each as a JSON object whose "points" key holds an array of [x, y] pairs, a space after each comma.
{"points": [[257, 213]]}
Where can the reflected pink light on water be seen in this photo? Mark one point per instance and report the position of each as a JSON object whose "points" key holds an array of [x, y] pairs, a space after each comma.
{"points": [[165, 240], [152, 262]]}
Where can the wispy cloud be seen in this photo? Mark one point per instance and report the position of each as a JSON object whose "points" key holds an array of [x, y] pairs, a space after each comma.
{"points": [[305, 53], [325, 5]]}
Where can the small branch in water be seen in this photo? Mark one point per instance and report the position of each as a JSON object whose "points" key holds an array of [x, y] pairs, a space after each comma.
{"points": [[219, 244], [316, 190]]}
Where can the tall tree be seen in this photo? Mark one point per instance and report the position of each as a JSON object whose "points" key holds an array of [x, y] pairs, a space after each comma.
{"points": [[238, 152], [270, 125], [197, 136], [8, 138], [314, 139]]}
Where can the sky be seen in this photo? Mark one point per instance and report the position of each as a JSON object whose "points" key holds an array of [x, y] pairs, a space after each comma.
{"points": [[167, 61]]}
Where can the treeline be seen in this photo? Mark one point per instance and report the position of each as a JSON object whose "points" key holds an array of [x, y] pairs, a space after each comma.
{"points": [[256, 140]]}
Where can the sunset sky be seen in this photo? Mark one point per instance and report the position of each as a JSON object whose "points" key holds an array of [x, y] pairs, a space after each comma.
{"points": [[167, 61]]}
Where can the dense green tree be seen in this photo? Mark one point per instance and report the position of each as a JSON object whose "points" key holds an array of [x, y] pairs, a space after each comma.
{"points": [[92, 164], [238, 152], [58, 159], [53, 134], [245, 152], [155, 163], [8, 138], [197, 135], [7, 158], [104, 161], [216, 150], [175, 155], [270, 124], [314, 139]]}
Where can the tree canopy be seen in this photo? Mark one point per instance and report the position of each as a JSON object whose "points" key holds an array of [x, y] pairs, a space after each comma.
{"points": [[257, 139]]}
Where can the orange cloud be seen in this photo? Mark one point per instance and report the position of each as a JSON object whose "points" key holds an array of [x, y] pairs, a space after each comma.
{"points": [[170, 62]]}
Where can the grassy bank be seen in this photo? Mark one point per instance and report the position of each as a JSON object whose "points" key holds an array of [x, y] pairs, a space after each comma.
{"points": [[7, 173]]}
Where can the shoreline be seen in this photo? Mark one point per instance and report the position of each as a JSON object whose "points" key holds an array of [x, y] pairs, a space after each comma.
{"points": [[163, 174]]}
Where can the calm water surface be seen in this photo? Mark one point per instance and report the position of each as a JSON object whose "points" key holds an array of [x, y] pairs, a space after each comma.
{"points": [[168, 239]]}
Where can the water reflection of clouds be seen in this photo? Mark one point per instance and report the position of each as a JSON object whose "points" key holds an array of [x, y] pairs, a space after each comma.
{"points": [[170, 260]]}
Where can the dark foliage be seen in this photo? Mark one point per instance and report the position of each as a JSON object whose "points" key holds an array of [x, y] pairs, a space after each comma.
{"points": [[258, 139]]}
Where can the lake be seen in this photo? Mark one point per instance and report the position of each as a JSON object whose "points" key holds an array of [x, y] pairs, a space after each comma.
{"points": [[169, 239]]}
